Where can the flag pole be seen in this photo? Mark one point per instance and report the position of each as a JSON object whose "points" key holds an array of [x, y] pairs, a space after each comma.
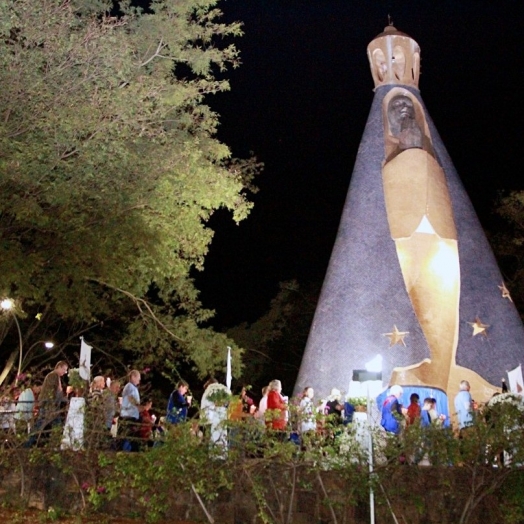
{"points": [[228, 369]]}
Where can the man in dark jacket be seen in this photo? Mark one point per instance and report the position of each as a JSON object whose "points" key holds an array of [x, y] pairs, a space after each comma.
{"points": [[178, 403]]}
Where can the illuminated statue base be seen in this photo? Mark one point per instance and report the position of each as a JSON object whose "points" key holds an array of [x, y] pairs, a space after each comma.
{"points": [[423, 374]]}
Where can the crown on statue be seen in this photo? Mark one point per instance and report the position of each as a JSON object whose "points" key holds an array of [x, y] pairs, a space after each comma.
{"points": [[394, 58]]}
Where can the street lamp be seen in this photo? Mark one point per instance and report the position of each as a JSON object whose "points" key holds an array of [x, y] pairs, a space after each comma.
{"points": [[7, 305], [373, 366]]}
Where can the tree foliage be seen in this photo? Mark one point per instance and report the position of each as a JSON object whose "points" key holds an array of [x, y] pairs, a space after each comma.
{"points": [[109, 167], [508, 244], [278, 337], [474, 477], [484, 459]]}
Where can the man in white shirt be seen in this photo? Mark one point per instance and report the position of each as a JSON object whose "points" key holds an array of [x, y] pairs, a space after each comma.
{"points": [[129, 422], [26, 405]]}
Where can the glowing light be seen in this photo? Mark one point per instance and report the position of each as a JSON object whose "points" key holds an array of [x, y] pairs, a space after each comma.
{"points": [[49, 345], [444, 265], [375, 365], [425, 226], [7, 304]]}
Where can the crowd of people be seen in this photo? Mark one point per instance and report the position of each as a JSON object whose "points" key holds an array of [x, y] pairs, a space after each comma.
{"points": [[119, 419], [37, 409], [395, 417]]}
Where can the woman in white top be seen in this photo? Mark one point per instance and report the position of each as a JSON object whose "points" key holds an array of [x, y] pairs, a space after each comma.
{"points": [[307, 416], [262, 407], [7, 413]]}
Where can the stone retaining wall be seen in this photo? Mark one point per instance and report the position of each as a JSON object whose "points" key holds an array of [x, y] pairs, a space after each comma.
{"points": [[417, 495]]}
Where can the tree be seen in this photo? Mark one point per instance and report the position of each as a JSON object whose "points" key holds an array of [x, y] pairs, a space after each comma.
{"points": [[485, 460], [109, 167], [278, 336], [508, 242]]}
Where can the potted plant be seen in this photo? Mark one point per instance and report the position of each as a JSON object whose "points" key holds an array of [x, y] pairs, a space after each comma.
{"points": [[359, 403], [219, 395], [77, 382]]}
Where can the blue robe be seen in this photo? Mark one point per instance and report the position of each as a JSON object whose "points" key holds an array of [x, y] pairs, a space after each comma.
{"points": [[391, 413]]}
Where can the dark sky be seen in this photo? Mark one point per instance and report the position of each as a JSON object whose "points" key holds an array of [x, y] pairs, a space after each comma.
{"points": [[300, 102]]}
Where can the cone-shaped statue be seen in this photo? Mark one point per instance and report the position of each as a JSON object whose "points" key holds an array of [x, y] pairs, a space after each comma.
{"points": [[412, 276]]}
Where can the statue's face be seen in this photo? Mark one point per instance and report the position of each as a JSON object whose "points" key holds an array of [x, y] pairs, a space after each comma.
{"points": [[400, 108]]}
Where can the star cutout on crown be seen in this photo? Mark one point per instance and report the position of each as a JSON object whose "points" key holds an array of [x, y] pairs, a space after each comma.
{"points": [[479, 328], [505, 292], [396, 336]]}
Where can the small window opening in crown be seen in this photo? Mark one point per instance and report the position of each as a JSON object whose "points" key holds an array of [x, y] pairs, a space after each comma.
{"points": [[399, 62], [381, 66], [416, 66]]}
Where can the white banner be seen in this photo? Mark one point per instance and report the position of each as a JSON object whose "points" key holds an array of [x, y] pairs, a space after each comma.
{"points": [[84, 367], [516, 382]]}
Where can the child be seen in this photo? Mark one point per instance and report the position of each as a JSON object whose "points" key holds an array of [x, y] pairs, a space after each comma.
{"points": [[147, 422], [413, 409], [436, 419], [425, 416]]}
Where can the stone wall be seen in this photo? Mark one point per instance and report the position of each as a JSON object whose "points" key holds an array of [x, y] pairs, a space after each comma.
{"points": [[416, 495]]}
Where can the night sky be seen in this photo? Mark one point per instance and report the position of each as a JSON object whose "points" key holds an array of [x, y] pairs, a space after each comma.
{"points": [[300, 102]]}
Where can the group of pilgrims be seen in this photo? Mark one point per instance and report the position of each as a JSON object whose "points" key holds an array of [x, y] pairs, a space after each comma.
{"points": [[122, 421]]}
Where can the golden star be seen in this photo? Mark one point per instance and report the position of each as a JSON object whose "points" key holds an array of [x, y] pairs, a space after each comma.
{"points": [[479, 328], [396, 336], [505, 292]]}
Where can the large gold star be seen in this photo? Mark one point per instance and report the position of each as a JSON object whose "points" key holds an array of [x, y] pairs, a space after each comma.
{"points": [[396, 336], [505, 292], [479, 328]]}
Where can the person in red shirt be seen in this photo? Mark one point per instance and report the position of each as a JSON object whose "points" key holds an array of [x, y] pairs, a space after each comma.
{"points": [[147, 422], [413, 409], [277, 407]]}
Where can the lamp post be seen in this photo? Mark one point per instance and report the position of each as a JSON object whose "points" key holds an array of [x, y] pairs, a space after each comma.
{"points": [[7, 305], [374, 365]]}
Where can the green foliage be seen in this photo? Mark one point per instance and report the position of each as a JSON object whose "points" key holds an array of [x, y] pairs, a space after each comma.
{"points": [[264, 467], [272, 470], [477, 454], [110, 169], [220, 397], [508, 242], [358, 401], [512, 503], [75, 380], [52, 515], [181, 464]]}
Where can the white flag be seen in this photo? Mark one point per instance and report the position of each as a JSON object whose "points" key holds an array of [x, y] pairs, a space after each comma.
{"points": [[84, 368], [516, 382], [228, 369]]}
